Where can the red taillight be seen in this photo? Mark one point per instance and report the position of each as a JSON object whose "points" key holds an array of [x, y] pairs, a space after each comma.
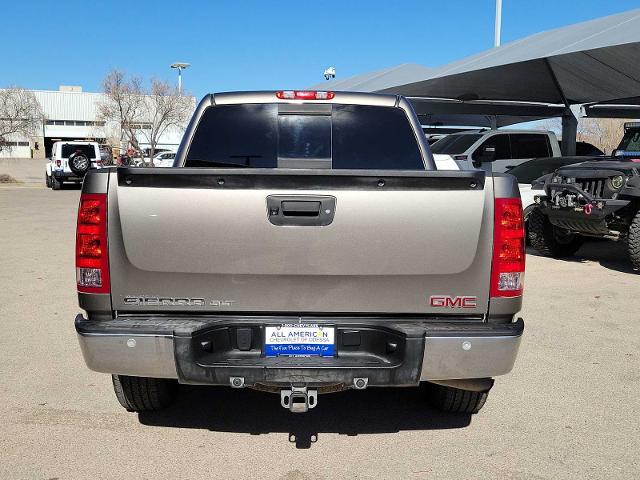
{"points": [[507, 271], [58, 163], [92, 260], [90, 211], [304, 95]]}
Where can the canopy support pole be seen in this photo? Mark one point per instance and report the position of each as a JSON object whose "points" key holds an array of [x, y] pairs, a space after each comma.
{"points": [[569, 133], [569, 121]]}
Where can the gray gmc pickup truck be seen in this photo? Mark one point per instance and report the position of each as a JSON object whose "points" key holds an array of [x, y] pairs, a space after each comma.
{"points": [[305, 244]]}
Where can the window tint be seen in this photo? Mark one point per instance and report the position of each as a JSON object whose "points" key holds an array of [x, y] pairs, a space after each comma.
{"points": [[69, 149], [500, 142], [235, 136], [527, 145], [369, 137], [455, 144], [350, 137]]}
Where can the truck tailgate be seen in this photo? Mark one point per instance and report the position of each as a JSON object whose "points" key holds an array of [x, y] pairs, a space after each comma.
{"points": [[209, 240]]}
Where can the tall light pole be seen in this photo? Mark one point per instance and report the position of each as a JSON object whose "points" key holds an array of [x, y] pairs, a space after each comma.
{"points": [[496, 38], [180, 66]]}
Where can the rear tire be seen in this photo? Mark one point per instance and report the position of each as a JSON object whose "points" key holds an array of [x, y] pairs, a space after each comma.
{"points": [[454, 400], [141, 394], [525, 215], [48, 180], [55, 183], [550, 240], [79, 164], [634, 241]]}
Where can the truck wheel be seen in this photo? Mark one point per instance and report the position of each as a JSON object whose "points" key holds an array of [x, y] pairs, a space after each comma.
{"points": [[525, 215], [550, 240], [454, 400], [634, 241], [47, 180], [55, 183], [140, 394]]}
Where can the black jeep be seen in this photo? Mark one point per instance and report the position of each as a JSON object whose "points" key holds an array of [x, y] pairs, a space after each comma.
{"points": [[599, 197]]}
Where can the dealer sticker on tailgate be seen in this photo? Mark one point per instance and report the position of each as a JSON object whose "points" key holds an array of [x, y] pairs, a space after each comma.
{"points": [[299, 340]]}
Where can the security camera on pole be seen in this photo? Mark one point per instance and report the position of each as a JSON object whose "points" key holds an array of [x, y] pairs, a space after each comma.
{"points": [[330, 73]]}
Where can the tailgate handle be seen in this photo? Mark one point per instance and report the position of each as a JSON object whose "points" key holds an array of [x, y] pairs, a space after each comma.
{"points": [[301, 210]]}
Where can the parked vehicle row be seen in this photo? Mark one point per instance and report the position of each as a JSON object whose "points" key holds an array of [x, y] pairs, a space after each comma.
{"points": [[587, 195], [566, 199], [71, 160]]}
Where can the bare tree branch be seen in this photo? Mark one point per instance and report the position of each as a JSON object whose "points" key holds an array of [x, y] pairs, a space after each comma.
{"points": [[143, 114], [20, 114]]}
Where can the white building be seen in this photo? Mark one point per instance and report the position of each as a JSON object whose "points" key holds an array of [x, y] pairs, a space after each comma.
{"points": [[71, 114]]}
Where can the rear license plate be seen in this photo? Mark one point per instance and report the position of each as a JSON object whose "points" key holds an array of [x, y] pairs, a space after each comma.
{"points": [[299, 340]]}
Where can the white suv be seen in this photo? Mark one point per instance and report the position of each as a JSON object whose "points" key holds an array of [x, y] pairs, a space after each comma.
{"points": [[493, 150], [70, 161]]}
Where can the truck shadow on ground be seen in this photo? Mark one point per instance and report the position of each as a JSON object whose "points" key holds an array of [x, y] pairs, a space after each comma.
{"points": [[607, 253], [352, 413]]}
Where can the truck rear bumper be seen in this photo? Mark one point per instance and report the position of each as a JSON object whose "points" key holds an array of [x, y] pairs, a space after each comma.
{"points": [[217, 350]]}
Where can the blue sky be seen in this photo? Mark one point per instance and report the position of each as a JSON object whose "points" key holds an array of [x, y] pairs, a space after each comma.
{"points": [[245, 45]]}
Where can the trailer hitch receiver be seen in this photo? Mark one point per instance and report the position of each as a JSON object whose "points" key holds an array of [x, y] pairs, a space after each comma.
{"points": [[298, 399]]}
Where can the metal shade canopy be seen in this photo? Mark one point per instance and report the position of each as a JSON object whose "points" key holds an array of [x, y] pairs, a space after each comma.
{"points": [[622, 108], [437, 111], [539, 76], [589, 62], [594, 61]]}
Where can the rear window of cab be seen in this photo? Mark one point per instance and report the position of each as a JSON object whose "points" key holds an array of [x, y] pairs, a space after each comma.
{"points": [[334, 137]]}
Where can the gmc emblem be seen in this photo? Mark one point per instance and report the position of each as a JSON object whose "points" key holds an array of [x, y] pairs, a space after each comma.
{"points": [[447, 301]]}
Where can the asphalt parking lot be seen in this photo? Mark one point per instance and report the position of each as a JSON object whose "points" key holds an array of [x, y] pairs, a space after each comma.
{"points": [[570, 408]]}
